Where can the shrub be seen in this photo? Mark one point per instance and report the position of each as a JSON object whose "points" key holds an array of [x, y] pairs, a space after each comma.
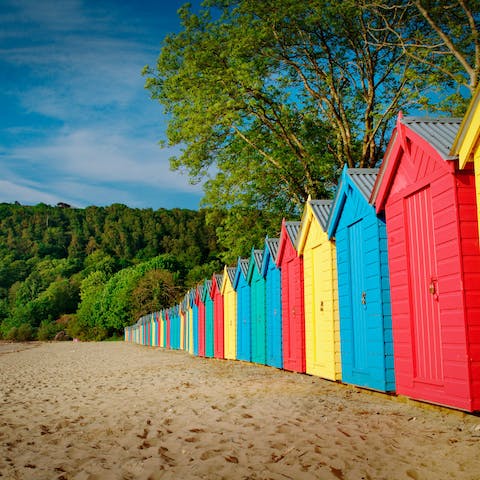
{"points": [[48, 330]]}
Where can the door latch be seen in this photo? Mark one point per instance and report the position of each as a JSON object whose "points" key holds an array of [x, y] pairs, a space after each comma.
{"points": [[364, 298]]}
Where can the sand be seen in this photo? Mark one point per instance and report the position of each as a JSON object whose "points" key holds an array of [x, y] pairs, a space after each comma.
{"points": [[88, 411]]}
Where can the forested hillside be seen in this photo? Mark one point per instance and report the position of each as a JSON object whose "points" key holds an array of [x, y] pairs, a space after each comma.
{"points": [[90, 271]]}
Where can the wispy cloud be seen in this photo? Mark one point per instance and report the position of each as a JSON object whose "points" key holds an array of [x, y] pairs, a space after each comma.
{"points": [[95, 129]]}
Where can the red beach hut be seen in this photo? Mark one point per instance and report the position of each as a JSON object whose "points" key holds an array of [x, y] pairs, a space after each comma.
{"points": [[434, 262], [293, 315], [218, 328]]}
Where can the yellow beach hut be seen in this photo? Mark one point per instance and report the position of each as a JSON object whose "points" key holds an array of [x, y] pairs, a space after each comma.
{"points": [[467, 144], [229, 313], [322, 325], [189, 299], [183, 324], [153, 331]]}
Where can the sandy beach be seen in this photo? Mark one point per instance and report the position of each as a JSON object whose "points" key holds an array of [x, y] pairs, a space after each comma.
{"points": [[88, 411]]}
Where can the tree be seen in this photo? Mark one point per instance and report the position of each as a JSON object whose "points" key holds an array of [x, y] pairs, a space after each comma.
{"points": [[279, 84], [270, 99], [442, 39], [154, 291]]}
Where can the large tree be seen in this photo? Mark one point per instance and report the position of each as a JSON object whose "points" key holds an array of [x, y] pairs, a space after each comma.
{"points": [[270, 99]]}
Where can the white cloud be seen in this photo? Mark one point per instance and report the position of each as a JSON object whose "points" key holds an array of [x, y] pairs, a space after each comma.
{"points": [[86, 166], [95, 139], [25, 194]]}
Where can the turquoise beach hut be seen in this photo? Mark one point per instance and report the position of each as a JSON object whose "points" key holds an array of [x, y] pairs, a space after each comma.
{"points": [[208, 301], [258, 307], [363, 282], [242, 287], [174, 314], [273, 303]]}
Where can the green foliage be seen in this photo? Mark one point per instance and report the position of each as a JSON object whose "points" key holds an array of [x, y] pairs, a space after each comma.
{"points": [[22, 333], [270, 99], [56, 262], [47, 330]]}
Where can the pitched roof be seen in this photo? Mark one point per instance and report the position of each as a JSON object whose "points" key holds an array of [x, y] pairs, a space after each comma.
{"points": [[231, 274], [321, 210], [292, 229], [243, 264], [364, 179], [440, 133], [258, 257], [219, 278], [272, 245]]}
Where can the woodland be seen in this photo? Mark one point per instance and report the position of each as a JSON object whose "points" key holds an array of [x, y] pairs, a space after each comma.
{"points": [[90, 271], [268, 101]]}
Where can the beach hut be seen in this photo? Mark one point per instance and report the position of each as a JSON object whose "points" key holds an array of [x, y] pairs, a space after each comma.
{"points": [[147, 326], [322, 324], [209, 328], [175, 327], [293, 321], [273, 303], [229, 313], [467, 144], [153, 330], [258, 309], [199, 347], [218, 325], [242, 287], [430, 210], [161, 334], [167, 328], [142, 331], [190, 302], [183, 313], [363, 282]]}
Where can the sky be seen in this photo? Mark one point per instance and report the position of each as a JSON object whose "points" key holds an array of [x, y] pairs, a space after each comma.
{"points": [[76, 123]]}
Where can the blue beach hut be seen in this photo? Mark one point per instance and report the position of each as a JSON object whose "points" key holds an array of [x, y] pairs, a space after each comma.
{"points": [[242, 287], [363, 282], [259, 326], [273, 303]]}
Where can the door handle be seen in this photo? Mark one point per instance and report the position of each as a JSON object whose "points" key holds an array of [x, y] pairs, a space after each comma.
{"points": [[364, 298]]}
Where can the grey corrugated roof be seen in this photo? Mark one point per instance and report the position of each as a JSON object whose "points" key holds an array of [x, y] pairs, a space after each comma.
{"points": [[231, 273], [272, 244], [258, 257], [321, 210], [219, 278], [243, 263], [208, 285], [200, 290], [292, 229], [440, 133], [364, 179]]}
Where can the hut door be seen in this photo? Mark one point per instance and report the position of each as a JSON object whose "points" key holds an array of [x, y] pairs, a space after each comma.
{"points": [[424, 306], [358, 297]]}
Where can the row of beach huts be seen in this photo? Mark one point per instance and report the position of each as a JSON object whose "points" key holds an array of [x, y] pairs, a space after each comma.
{"points": [[379, 288]]}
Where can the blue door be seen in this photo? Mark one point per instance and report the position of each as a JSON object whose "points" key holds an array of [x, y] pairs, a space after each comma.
{"points": [[358, 297]]}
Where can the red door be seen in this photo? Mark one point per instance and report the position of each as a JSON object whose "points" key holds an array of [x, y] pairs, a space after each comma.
{"points": [[423, 284]]}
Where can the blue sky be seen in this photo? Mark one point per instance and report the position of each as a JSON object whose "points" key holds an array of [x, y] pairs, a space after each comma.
{"points": [[76, 124]]}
